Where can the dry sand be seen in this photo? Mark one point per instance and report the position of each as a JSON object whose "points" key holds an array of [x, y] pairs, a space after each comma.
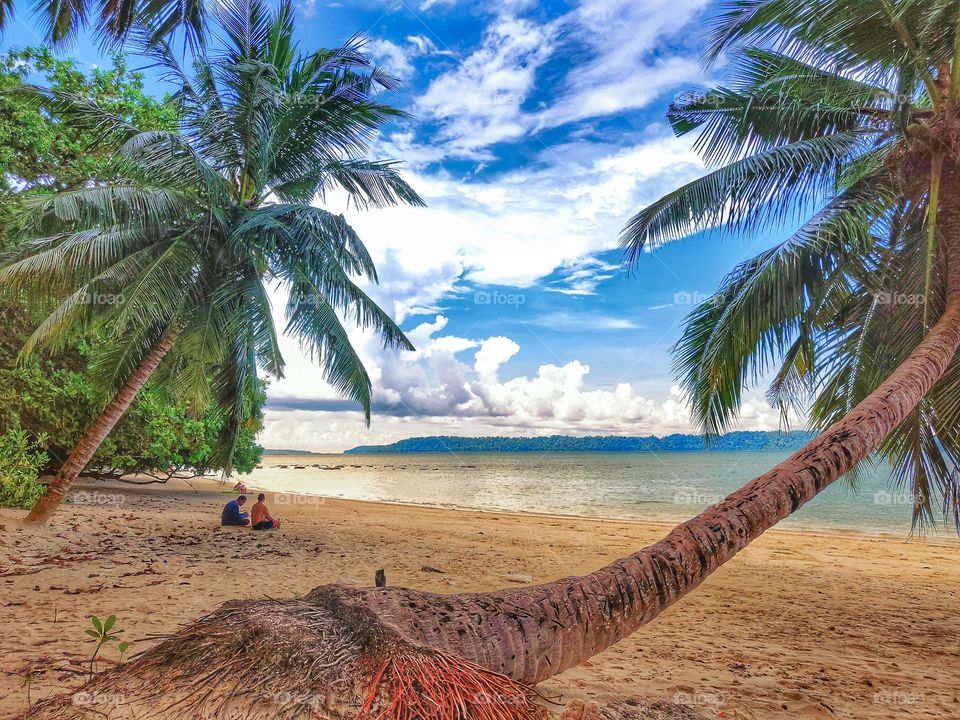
{"points": [[800, 625]]}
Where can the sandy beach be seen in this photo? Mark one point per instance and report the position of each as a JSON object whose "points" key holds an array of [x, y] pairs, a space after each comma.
{"points": [[800, 625]]}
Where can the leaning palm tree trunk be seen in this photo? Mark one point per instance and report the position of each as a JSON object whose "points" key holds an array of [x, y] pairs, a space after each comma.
{"points": [[85, 448], [383, 650]]}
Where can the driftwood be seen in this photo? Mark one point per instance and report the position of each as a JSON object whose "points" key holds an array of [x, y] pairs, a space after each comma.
{"points": [[140, 477]]}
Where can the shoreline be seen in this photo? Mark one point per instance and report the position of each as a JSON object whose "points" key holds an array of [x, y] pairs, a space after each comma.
{"points": [[665, 523], [663, 487], [941, 533], [802, 624]]}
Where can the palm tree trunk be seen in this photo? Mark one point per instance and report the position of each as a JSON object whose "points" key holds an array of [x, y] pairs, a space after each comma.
{"points": [[84, 450], [533, 633]]}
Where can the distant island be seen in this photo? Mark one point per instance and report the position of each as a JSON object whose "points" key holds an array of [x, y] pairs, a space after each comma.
{"points": [[751, 441], [267, 451]]}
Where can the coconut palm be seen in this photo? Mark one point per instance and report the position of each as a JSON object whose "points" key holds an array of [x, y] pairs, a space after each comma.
{"points": [[114, 20], [853, 131], [842, 114], [171, 261]]}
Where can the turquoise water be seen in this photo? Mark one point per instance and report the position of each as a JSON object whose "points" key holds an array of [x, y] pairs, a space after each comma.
{"points": [[649, 486]]}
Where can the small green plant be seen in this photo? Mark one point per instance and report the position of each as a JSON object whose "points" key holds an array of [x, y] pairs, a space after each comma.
{"points": [[104, 634], [27, 682], [20, 463], [122, 647]]}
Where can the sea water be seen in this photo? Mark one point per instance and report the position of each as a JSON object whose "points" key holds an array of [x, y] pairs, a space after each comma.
{"points": [[642, 486]]}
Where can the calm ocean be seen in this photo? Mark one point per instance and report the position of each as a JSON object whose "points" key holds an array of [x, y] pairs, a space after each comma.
{"points": [[646, 486]]}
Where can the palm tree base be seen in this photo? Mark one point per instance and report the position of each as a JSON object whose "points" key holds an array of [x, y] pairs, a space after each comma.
{"points": [[296, 659], [316, 658]]}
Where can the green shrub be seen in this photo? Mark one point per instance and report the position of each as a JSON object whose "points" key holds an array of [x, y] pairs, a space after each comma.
{"points": [[20, 463]]}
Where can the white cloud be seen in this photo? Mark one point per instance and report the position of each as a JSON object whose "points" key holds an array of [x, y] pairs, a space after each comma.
{"points": [[431, 391], [581, 276], [584, 322], [522, 225], [620, 71], [395, 59], [608, 46], [478, 102], [493, 353], [398, 59]]}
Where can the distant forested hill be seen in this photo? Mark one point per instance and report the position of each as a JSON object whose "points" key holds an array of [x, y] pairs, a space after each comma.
{"points": [[731, 442]]}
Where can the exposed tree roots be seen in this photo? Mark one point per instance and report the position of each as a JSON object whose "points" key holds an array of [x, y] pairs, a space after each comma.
{"points": [[430, 685], [289, 659]]}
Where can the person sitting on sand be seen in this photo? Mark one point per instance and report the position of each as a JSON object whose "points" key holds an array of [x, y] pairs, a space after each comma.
{"points": [[260, 516], [232, 514]]}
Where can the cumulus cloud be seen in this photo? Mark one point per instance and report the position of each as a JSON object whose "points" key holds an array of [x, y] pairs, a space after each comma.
{"points": [[524, 224], [463, 386], [493, 353]]}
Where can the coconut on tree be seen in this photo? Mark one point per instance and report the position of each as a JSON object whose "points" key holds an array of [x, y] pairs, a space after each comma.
{"points": [[842, 113], [172, 262]]}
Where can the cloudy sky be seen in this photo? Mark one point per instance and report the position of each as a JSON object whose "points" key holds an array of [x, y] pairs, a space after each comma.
{"points": [[537, 129]]}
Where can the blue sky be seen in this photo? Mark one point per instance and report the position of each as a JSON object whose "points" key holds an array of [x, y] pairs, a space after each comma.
{"points": [[537, 130]]}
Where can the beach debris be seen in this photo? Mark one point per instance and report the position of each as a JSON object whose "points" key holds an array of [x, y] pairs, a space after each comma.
{"points": [[429, 569], [633, 708], [519, 578], [380, 578]]}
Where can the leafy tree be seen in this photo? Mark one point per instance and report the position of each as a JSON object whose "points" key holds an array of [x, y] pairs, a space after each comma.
{"points": [[183, 242], [21, 459], [52, 395], [41, 153], [730, 442]]}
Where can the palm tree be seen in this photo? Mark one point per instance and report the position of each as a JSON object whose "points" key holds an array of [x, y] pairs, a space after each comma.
{"points": [[114, 20], [853, 130], [171, 261], [845, 113]]}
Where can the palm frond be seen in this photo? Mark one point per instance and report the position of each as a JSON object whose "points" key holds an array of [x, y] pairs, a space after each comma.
{"points": [[764, 189]]}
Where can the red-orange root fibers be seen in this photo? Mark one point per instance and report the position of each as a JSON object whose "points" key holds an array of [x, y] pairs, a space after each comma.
{"points": [[435, 686]]}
